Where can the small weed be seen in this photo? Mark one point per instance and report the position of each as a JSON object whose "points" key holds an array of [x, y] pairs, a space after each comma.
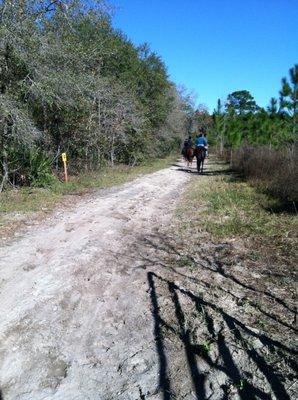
{"points": [[244, 302], [240, 385], [255, 255], [185, 261], [262, 324], [205, 347]]}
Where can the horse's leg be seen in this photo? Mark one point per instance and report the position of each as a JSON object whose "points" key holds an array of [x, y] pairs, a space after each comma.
{"points": [[201, 165], [198, 164]]}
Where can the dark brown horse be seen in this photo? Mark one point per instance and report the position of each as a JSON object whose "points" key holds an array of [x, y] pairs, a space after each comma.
{"points": [[200, 154], [189, 156]]}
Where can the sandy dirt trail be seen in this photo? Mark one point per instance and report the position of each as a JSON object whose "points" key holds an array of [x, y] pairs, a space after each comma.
{"points": [[75, 318]]}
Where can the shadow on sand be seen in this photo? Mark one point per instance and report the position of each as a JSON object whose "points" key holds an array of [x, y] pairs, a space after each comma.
{"points": [[225, 361], [257, 354], [206, 172]]}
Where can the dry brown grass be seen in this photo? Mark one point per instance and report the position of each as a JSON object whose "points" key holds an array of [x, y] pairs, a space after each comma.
{"points": [[272, 170]]}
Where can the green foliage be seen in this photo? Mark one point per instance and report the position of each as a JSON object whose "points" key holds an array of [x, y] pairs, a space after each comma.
{"points": [[289, 96], [70, 82], [243, 122], [206, 346], [39, 169], [242, 102], [241, 385]]}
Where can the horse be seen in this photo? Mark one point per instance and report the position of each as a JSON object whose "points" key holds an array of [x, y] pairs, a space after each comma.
{"points": [[200, 154], [189, 156]]}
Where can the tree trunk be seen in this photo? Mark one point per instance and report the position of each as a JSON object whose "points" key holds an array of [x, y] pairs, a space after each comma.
{"points": [[112, 154], [86, 159], [5, 174], [4, 161]]}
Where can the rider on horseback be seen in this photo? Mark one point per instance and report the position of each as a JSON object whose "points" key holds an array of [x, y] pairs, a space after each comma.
{"points": [[201, 142], [206, 147], [187, 145], [200, 151]]}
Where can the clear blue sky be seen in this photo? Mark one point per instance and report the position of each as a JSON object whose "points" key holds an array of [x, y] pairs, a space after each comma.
{"points": [[215, 47]]}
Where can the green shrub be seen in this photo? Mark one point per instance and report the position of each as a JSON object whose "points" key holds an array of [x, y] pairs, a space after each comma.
{"points": [[39, 169]]}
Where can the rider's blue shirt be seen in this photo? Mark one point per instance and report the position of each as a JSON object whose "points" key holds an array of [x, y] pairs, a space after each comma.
{"points": [[201, 141]]}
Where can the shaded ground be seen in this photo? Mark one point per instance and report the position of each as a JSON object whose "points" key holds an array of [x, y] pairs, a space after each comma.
{"points": [[111, 301], [205, 317]]}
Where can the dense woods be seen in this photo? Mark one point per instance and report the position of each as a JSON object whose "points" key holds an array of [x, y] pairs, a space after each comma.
{"points": [[70, 82]]}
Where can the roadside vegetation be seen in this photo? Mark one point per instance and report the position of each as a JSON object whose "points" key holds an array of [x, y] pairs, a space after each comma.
{"points": [[259, 143], [270, 170], [72, 83], [230, 208]]}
